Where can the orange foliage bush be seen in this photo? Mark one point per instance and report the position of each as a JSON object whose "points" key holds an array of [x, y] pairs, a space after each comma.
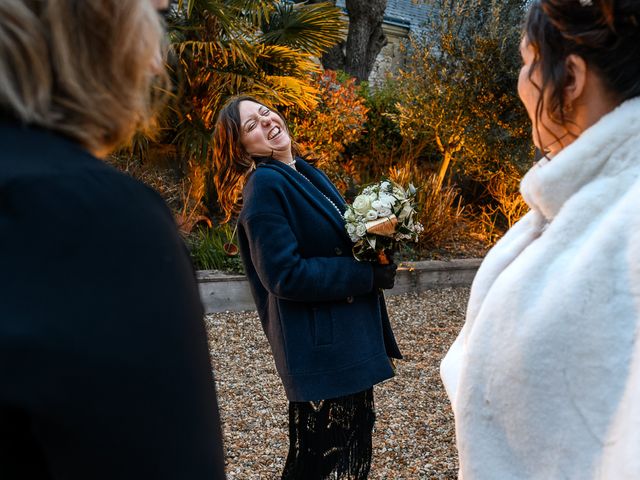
{"points": [[337, 121]]}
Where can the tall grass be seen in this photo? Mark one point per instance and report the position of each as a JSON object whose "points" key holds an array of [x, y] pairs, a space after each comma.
{"points": [[439, 208]]}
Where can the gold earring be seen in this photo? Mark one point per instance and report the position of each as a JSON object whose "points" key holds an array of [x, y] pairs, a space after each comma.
{"points": [[567, 108]]}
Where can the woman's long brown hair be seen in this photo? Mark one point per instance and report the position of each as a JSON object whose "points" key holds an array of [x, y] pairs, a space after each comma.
{"points": [[232, 165]]}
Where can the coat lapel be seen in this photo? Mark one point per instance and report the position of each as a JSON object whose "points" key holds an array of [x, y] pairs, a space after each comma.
{"points": [[313, 187]]}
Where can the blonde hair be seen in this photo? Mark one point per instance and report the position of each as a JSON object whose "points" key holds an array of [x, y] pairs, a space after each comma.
{"points": [[83, 68]]}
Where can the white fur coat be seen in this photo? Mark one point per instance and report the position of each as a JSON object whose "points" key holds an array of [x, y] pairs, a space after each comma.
{"points": [[544, 377]]}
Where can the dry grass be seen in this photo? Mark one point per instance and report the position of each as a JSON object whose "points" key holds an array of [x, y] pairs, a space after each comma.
{"points": [[414, 436]]}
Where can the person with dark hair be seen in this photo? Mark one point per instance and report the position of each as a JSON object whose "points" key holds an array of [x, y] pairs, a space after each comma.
{"points": [[322, 310], [104, 365], [544, 378]]}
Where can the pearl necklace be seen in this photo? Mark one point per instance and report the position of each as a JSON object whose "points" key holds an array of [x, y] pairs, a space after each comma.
{"points": [[291, 164], [322, 193]]}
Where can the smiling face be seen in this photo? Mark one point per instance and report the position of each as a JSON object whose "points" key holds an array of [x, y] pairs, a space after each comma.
{"points": [[263, 132]]}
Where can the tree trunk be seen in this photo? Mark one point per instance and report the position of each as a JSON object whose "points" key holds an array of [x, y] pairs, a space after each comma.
{"points": [[365, 38], [334, 58], [444, 166], [453, 146]]}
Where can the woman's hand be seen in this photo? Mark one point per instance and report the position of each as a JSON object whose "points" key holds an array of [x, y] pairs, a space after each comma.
{"points": [[384, 276]]}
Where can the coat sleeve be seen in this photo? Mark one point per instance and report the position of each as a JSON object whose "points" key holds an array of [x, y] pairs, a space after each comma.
{"points": [[286, 274]]}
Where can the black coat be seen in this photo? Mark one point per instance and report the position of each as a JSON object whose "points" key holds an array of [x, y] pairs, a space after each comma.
{"points": [[104, 367], [328, 329]]}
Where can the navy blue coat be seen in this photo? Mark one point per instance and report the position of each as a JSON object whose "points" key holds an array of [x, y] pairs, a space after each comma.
{"points": [[104, 366], [328, 329]]}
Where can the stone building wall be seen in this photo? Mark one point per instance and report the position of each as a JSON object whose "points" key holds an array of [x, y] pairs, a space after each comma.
{"points": [[392, 55], [402, 18]]}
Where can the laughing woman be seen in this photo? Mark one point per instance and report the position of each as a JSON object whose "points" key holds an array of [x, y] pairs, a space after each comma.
{"points": [[321, 309]]}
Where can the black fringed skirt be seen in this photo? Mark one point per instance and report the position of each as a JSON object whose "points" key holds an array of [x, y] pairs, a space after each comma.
{"points": [[331, 439]]}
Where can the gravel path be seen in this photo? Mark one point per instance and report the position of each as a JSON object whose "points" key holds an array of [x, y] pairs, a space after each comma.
{"points": [[414, 435]]}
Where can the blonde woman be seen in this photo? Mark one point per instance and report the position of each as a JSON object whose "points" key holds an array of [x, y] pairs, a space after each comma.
{"points": [[104, 368]]}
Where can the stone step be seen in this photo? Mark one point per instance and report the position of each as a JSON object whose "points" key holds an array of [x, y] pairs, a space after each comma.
{"points": [[223, 292]]}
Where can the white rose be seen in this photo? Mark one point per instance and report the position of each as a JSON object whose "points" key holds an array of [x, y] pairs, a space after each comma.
{"points": [[351, 229], [349, 216], [371, 215], [385, 212], [376, 204], [387, 200], [384, 186], [362, 204], [361, 230]]}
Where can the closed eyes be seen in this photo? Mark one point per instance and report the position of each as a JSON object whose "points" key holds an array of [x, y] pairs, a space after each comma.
{"points": [[263, 112]]}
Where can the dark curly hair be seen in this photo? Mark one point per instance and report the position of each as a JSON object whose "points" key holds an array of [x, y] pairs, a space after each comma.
{"points": [[604, 33]]}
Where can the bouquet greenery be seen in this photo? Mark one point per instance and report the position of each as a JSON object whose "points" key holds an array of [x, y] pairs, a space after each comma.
{"points": [[379, 218]]}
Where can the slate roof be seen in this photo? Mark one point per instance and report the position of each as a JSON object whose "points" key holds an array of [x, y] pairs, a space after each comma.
{"points": [[403, 13]]}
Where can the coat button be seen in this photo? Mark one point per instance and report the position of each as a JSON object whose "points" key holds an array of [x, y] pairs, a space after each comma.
{"points": [[338, 251], [349, 299]]}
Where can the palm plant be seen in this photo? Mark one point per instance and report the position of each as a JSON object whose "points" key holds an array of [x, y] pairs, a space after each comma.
{"points": [[220, 48], [258, 47]]}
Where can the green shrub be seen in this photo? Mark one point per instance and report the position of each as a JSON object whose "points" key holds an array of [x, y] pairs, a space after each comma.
{"points": [[381, 131], [458, 89], [383, 147], [207, 248]]}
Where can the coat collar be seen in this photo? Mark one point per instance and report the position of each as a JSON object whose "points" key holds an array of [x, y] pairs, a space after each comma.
{"points": [[606, 149], [315, 186]]}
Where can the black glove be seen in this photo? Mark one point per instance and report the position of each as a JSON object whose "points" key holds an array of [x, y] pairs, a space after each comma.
{"points": [[384, 276]]}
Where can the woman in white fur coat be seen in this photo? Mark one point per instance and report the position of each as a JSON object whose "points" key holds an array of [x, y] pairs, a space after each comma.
{"points": [[544, 377]]}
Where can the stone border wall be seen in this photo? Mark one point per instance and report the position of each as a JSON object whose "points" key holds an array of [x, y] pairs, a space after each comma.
{"points": [[222, 292]]}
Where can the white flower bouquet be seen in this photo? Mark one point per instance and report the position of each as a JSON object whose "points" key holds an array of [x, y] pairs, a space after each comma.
{"points": [[380, 217]]}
